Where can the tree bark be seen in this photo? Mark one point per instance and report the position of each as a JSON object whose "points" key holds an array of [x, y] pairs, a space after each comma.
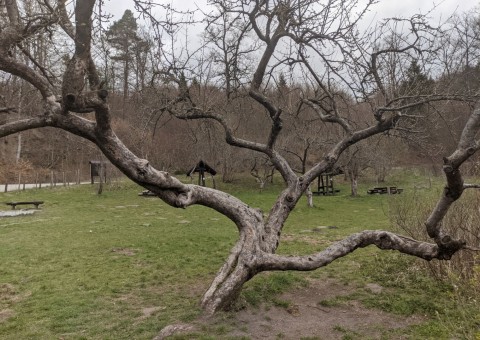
{"points": [[226, 287], [309, 195], [18, 155], [354, 186]]}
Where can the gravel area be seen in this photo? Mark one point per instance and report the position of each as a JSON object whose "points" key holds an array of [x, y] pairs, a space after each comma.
{"points": [[12, 213]]}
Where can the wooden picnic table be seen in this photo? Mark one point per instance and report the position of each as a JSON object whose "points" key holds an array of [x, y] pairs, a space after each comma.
{"points": [[385, 190]]}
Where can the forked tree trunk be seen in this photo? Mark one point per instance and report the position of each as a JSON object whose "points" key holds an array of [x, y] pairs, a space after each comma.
{"points": [[227, 285], [257, 238], [235, 272]]}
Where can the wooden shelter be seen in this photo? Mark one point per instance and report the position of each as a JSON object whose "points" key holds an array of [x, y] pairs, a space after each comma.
{"points": [[202, 168]]}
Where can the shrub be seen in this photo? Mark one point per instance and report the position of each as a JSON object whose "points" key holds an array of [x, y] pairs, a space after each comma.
{"points": [[409, 212]]}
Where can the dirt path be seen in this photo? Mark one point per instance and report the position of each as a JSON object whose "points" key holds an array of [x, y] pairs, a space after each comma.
{"points": [[306, 317]]}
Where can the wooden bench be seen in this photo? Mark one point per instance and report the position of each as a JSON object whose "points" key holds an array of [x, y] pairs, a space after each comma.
{"points": [[14, 204], [325, 193]]}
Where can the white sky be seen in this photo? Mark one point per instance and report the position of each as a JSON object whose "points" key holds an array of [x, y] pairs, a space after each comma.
{"points": [[384, 8]]}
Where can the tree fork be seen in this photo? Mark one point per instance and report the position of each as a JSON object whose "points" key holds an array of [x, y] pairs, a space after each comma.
{"points": [[240, 267]]}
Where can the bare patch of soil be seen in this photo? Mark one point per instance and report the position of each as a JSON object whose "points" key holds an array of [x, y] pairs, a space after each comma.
{"points": [[306, 317], [5, 315], [9, 296], [124, 251], [8, 293], [148, 312]]}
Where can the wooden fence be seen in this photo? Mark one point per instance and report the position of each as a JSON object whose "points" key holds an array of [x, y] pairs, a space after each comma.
{"points": [[39, 180]]}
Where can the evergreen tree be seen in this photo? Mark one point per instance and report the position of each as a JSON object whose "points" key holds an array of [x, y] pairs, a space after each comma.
{"points": [[416, 81], [123, 38]]}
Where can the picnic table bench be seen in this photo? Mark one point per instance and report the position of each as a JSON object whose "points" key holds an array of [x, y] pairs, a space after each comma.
{"points": [[14, 204], [385, 190], [325, 192]]}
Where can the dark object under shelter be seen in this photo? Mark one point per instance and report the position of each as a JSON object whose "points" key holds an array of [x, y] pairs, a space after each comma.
{"points": [[98, 169], [325, 183], [202, 168]]}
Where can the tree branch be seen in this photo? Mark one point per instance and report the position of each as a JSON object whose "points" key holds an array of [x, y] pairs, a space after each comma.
{"points": [[8, 109], [12, 12], [328, 118], [12, 36], [197, 113], [382, 239], [65, 22], [81, 64], [24, 124], [467, 146], [330, 159]]}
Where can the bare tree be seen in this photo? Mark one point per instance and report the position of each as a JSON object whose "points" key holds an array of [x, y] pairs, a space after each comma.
{"points": [[262, 170], [324, 45]]}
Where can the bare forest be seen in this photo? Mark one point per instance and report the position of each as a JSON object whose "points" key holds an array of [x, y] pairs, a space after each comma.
{"points": [[298, 88]]}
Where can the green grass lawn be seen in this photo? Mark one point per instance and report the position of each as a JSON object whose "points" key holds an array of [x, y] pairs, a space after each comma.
{"points": [[120, 266]]}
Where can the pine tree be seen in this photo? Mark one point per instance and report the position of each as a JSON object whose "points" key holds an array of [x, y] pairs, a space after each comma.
{"points": [[123, 37], [416, 81]]}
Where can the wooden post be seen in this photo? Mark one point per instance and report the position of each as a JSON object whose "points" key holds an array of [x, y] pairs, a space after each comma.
{"points": [[51, 179], [6, 187], [213, 180], [104, 165], [101, 181]]}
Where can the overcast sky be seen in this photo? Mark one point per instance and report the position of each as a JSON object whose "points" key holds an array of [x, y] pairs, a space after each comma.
{"points": [[385, 8]]}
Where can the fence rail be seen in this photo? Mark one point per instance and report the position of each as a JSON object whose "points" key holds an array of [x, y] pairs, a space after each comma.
{"points": [[22, 180], [43, 180]]}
